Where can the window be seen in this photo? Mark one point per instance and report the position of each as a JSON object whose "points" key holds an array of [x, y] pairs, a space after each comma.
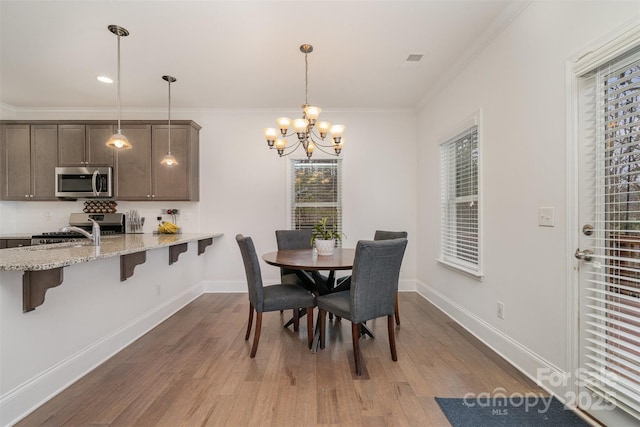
{"points": [[316, 192], [459, 202]]}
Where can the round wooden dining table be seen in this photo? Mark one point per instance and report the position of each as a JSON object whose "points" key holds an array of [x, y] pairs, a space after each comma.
{"points": [[308, 259], [303, 260]]}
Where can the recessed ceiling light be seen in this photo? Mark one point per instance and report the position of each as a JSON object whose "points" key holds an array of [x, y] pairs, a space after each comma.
{"points": [[105, 79], [414, 57]]}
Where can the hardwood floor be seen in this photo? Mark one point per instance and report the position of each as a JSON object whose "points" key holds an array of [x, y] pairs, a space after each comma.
{"points": [[194, 370]]}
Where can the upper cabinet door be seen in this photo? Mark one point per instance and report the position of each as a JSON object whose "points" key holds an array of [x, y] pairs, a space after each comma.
{"points": [[133, 167], [98, 154], [84, 145], [171, 182], [16, 162], [71, 145], [44, 150]]}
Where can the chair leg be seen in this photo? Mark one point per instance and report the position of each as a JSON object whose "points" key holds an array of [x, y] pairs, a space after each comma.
{"points": [[397, 312], [309, 326], [355, 337], [392, 338], [256, 334], [296, 319], [322, 316], [246, 337]]}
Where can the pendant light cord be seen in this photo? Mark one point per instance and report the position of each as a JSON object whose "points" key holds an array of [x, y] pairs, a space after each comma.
{"points": [[169, 116], [119, 130]]}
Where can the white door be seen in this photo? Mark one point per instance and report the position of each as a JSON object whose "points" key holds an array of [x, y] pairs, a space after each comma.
{"points": [[608, 378]]}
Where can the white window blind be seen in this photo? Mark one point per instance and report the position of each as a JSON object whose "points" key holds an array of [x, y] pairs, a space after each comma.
{"points": [[612, 307], [316, 192], [459, 217]]}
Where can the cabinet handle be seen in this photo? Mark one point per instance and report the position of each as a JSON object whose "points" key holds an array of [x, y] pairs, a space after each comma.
{"points": [[148, 195], [26, 195]]}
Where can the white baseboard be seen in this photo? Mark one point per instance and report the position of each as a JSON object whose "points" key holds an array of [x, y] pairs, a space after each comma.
{"points": [[19, 402], [548, 376]]}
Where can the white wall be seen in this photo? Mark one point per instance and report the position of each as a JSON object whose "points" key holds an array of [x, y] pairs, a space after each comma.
{"points": [[519, 83]]}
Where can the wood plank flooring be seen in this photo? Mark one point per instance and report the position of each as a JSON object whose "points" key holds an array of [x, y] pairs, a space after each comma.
{"points": [[194, 370]]}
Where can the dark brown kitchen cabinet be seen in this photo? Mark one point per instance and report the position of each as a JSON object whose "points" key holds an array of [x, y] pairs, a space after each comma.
{"points": [[84, 145], [140, 176], [29, 156], [14, 243], [177, 182], [133, 167], [30, 151]]}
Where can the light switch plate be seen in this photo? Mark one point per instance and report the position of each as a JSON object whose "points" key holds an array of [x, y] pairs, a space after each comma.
{"points": [[546, 217]]}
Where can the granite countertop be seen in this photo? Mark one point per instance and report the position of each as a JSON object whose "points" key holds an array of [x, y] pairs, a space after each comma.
{"points": [[46, 257]]}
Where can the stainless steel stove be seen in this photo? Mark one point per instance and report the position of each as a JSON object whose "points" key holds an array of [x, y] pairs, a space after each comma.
{"points": [[109, 224]]}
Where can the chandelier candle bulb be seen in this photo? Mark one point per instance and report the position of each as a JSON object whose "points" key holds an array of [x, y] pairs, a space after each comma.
{"points": [[283, 124], [336, 132], [312, 113], [323, 128], [281, 144], [270, 134], [300, 125]]}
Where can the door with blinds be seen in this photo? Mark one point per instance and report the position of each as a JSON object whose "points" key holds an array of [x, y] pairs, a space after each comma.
{"points": [[608, 378]]}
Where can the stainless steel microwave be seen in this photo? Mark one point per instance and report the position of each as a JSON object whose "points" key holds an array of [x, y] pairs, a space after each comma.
{"points": [[84, 182]]}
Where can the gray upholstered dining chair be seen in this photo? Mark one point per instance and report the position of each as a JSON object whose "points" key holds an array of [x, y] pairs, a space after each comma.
{"points": [[270, 298], [345, 282], [388, 235], [374, 284], [293, 239]]}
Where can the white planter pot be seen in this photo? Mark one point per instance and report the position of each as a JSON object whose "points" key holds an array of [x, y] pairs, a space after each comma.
{"points": [[325, 247]]}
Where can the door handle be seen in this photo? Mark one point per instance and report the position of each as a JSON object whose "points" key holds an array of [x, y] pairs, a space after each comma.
{"points": [[586, 255], [93, 182]]}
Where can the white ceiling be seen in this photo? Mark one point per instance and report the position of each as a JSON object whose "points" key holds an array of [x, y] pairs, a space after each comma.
{"points": [[239, 54]]}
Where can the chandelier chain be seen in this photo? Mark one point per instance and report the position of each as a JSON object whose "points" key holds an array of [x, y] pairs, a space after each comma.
{"points": [[306, 80]]}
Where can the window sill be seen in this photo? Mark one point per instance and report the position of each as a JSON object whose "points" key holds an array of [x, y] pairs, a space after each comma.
{"points": [[478, 275]]}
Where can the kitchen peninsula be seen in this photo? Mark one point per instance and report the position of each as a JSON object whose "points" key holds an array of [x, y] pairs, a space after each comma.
{"points": [[93, 313], [42, 265]]}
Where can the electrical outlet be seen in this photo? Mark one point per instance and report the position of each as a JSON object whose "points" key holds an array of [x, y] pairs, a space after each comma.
{"points": [[500, 310], [170, 211]]}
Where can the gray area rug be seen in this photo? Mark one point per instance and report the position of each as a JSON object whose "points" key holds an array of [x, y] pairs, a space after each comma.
{"points": [[524, 411]]}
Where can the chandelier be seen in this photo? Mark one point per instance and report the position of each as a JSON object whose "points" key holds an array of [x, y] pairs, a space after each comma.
{"points": [[310, 132]]}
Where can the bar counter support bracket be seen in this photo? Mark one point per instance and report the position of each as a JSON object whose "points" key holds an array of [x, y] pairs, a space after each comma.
{"points": [[129, 261], [175, 250], [35, 285], [202, 244]]}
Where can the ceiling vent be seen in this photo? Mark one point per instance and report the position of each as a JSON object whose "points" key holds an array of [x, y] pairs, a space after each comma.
{"points": [[414, 57]]}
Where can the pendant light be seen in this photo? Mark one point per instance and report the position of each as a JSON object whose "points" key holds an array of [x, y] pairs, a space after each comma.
{"points": [[118, 140], [169, 160]]}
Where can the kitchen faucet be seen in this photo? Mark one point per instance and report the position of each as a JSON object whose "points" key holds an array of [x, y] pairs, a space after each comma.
{"points": [[94, 236]]}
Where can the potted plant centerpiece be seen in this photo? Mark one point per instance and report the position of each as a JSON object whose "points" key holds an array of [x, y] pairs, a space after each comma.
{"points": [[324, 237]]}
